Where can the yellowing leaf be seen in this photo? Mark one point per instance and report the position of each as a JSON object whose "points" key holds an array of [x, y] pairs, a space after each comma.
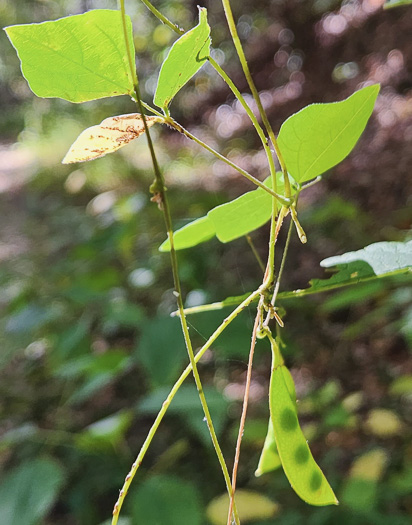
{"points": [[110, 135], [251, 506]]}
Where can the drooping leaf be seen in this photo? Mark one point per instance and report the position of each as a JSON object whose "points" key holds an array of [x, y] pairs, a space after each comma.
{"points": [[382, 257], [321, 135], [28, 492], [376, 261], [166, 499], [228, 221], [77, 58], [251, 506], [107, 137], [185, 58]]}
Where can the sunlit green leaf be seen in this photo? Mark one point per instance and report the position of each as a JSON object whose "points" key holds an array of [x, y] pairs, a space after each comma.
{"points": [[321, 135], [28, 492], [77, 58], [166, 499], [229, 221], [196, 232], [251, 506], [185, 58], [386, 258]]}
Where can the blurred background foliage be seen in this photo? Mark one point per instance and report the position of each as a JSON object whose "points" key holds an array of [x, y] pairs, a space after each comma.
{"points": [[88, 350]]}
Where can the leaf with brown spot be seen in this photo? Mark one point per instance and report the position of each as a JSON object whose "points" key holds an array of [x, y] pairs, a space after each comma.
{"points": [[110, 135]]}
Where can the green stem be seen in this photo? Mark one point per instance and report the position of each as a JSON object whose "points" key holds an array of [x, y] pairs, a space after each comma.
{"points": [[280, 272], [169, 399], [232, 87], [255, 252], [159, 190], [163, 18], [239, 49], [283, 200]]}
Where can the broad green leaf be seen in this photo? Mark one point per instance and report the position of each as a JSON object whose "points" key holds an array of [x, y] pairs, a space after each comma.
{"points": [[244, 214], [251, 506], [166, 499], [229, 221], [28, 492], [321, 135], [376, 261], [185, 58], [77, 58], [196, 232], [382, 257]]}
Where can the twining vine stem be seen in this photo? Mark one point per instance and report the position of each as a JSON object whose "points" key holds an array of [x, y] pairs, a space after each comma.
{"points": [[159, 190]]}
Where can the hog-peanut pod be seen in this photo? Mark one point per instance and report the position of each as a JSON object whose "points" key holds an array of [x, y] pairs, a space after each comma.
{"points": [[302, 471], [269, 458]]}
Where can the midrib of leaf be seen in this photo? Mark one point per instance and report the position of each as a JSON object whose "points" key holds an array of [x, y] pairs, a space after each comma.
{"points": [[337, 136]]}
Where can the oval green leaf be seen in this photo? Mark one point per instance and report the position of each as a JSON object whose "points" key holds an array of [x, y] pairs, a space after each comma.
{"points": [[321, 135], [196, 232], [185, 58], [77, 58], [229, 221], [303, 473]]}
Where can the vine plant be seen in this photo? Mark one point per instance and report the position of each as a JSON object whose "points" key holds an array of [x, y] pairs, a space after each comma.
{"points": [[91, 56]]}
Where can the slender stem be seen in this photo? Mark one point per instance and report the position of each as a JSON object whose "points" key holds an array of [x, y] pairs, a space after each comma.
{"points": [[283, 200], [160, 197], [234, 90], [236, 41], [255, 252], [163, 18], [252, 117], [243, 417], [169, 399], [280, 272]]}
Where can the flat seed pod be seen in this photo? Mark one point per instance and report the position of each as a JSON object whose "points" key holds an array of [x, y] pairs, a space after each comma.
{"points": [[110, 135], [269, 458], [302, 471]]}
